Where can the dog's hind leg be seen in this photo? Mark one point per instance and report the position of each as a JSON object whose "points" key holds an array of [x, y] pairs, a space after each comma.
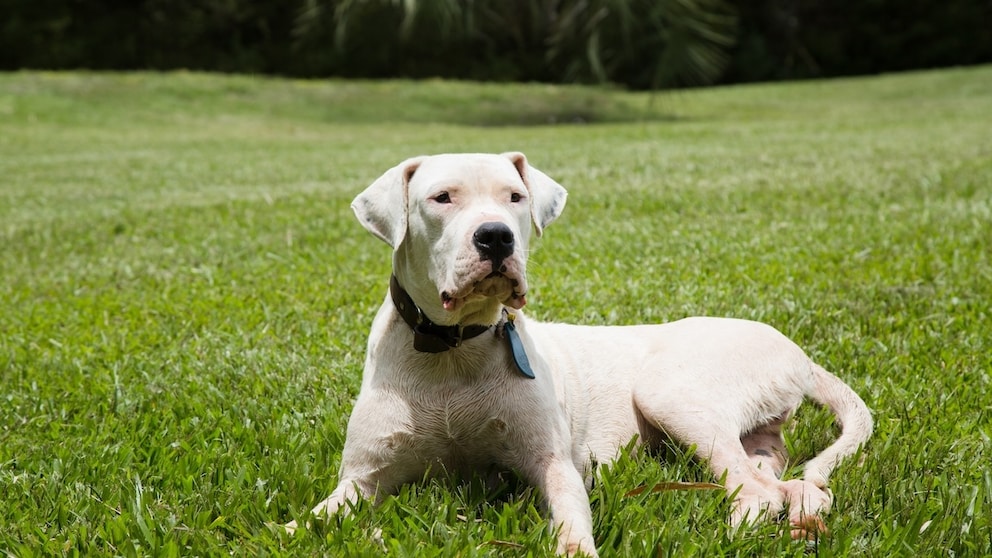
{"points": [[756, 490], [805, 501]]}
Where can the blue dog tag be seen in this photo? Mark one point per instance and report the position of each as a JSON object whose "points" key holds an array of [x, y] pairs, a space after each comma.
{"points": [[517, 348]]}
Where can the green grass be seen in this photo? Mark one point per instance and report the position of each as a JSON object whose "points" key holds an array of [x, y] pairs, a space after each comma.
{"points": [[185, 297]]}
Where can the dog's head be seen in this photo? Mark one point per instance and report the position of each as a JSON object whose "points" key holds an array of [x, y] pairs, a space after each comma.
{"points": [[460, 226]]}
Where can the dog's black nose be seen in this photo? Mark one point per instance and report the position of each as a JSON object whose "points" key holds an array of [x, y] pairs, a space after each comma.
{"points": [[494, 241]]}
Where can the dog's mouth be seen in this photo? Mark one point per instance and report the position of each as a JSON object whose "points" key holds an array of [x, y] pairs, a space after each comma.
{"points": [[506, 289]]}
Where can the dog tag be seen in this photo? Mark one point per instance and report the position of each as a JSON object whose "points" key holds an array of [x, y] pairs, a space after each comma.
{"points": [[517, 348]]}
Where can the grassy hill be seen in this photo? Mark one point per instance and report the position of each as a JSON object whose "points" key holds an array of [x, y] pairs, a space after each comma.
{"points": [[185, 298]]}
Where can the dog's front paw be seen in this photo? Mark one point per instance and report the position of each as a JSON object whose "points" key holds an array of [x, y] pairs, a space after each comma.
{"points": [[290, 528]]}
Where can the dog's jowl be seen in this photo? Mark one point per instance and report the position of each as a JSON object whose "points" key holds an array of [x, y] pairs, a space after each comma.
{"points": [[457, 379]]}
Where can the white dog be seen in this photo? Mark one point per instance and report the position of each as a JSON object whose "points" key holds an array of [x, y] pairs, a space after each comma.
{"points": [[457, 379]]}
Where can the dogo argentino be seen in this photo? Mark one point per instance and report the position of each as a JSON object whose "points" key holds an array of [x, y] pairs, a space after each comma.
{"points": [[457, 379]]}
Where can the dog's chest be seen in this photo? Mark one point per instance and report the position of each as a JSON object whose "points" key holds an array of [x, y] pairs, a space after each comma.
{"points": [[460, 427]]}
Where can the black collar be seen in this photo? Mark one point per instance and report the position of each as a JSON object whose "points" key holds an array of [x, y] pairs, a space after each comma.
{"points": [[429, 337]]}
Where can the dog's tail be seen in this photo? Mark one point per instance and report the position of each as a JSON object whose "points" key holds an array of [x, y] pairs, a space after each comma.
{"points": [[854, 418]]}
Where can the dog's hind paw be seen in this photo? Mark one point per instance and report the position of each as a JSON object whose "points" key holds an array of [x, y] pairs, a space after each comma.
{"points": [[807, 503], [808, 528], [752, 505]]}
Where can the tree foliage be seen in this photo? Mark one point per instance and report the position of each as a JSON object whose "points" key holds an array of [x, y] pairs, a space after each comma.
{"points": [[788, 39], [642, 43], [637, 43]]}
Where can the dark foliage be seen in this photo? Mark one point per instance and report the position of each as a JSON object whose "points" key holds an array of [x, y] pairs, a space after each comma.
{"points": [[637, 43], [787, 39]]}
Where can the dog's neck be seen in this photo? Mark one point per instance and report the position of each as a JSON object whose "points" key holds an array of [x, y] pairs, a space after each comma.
{"points": [[429, 337]]}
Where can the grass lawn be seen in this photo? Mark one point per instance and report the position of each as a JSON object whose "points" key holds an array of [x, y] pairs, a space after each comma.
{"points": [[185, 296]]}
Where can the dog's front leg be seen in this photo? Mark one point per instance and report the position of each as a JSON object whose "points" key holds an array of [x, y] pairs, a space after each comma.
{"points": [[347, 493], [378, 456], [568, 502]]}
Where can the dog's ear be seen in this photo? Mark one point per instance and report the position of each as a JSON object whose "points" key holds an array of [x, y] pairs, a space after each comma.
{"points": [[547, 197], [382, 207]]}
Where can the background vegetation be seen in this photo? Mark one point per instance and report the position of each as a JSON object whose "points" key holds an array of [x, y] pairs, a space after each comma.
{"points": [[637, 43], [185, 299]]}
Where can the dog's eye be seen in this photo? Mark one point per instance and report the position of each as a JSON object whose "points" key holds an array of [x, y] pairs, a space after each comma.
{"points": [[515, 197], [443, 197]]}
